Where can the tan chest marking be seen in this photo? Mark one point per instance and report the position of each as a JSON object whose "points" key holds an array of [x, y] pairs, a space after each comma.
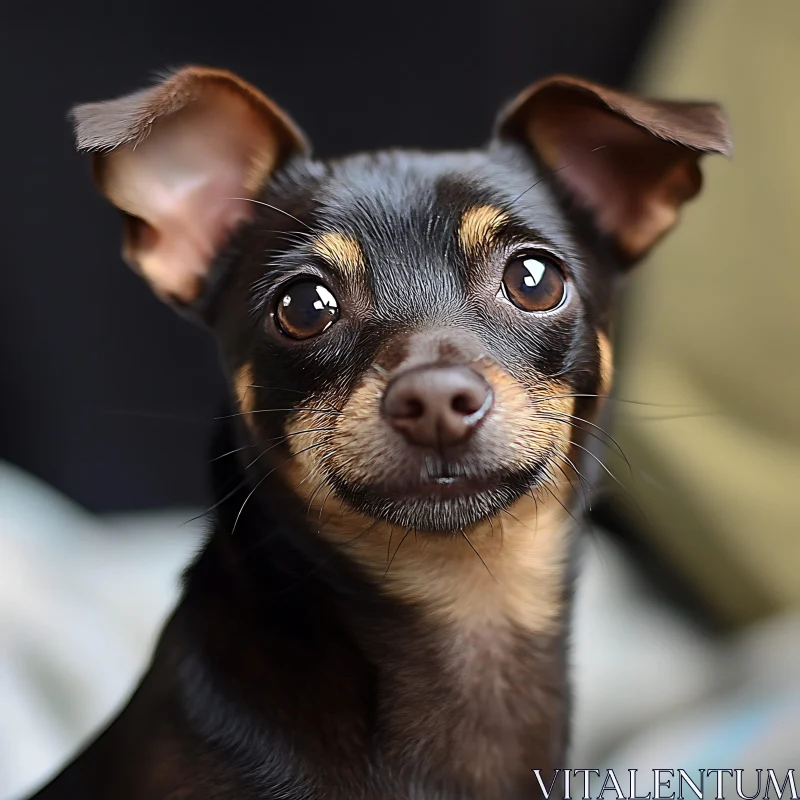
{"points": [[496, 574]]}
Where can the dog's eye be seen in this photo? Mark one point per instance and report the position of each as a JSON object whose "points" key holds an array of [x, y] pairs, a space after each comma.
{"points": [[306, 309], [533, 283]]}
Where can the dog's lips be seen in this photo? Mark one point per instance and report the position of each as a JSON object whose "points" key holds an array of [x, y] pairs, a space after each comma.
{"points": [[441, 502], [448, 486]]}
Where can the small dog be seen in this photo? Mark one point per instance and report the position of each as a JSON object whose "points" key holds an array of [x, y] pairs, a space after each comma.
{"points": [[417, 347]]}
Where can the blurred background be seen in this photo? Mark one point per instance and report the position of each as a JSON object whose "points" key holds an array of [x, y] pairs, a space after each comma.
{"points": [[687, 635]]}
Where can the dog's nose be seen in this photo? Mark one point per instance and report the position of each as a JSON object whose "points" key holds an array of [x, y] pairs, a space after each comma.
{"points": [[437, 406]]}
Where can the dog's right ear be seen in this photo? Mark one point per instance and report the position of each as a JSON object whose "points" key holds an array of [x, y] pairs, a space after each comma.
{"points": [[630, 162], [182, 160]]}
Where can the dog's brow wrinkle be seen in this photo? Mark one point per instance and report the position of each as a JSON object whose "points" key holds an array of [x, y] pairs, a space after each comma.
{"points": [[341, 251], [479, 226]]}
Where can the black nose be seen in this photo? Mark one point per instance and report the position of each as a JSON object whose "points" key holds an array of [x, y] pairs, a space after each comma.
{"points": [[437, 406]]}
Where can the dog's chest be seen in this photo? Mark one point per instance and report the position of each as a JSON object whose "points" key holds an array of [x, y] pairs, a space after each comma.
{"points": [[472, 726]]}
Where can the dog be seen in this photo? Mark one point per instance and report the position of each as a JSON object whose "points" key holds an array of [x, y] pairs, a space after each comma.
{"points": [[418, 346]]}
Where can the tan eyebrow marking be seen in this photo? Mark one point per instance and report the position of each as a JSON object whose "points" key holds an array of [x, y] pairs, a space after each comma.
{"points": [[341, 251], [479, 226]]}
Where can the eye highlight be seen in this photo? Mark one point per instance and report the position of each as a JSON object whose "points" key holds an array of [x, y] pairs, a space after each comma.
{"points": [[305, 309], [533, 282]]}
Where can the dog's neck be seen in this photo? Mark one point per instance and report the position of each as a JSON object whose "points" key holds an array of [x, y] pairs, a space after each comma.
{"points": [[504, 571], [476, 680], [460, 636]]}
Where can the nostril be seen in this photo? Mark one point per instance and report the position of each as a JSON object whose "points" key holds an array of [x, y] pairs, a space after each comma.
{"points": [[413, 408], [465, 404]]}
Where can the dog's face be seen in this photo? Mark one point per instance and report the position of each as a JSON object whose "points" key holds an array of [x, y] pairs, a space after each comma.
{"points": [[437, 317], [424, 336]]}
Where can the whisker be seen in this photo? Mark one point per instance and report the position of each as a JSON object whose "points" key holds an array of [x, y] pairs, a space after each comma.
{"points": [[327, 429], [292, 238], [322, 507], [253, 490], [536, 183], [294, 410], [616, 480], [157, 415], [324, 563], [690, 415], [231, 452], [241, 483], [570, 484], [519, 521], [369, 529], [389, 565], [560, 502], [281, 439], [285, 389], [244, 502], [513, 516], [619, 400], [582, 430], [583, 524], [219, 502], [480, 557], [607, 470], [596, 427], [314, 495], [274, 208], [301, 236], [587, 497]]}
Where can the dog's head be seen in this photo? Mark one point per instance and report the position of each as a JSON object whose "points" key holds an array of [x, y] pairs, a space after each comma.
{"points": [[425, 336]]}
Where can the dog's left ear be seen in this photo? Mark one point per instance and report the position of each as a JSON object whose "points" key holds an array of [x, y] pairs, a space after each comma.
{"points": [[631, 162], [181, 160]]}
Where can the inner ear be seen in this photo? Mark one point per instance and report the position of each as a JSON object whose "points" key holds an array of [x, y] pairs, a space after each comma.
{"points": [[631, 162], [182, 160]]}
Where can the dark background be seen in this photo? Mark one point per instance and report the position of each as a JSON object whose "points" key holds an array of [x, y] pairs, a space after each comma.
{"points": [[106, 394]]}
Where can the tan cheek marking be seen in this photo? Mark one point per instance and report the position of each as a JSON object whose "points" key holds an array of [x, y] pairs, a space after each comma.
{"points": [[525, 551], [479, 227], [342, 251], [534, 411], [529, 422], [310, 441], [606, 363], [245, 395]]}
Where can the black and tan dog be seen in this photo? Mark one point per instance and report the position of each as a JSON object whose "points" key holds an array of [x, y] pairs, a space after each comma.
{"points": [[417, 345]]}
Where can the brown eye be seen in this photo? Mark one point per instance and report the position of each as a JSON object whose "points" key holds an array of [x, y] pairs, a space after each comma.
{"points": [[534, 283], [306, 309]]}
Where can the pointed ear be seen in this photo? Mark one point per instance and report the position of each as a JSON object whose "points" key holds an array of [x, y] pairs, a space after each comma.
{"points": [[181, 159], [631, 162]]}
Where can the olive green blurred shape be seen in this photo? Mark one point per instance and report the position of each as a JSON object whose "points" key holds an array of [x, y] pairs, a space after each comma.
{"points": [[712, 322]]}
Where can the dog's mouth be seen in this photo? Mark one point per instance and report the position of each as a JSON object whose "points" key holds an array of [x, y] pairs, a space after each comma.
{"points": [[446, 500], [449, 485]]}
